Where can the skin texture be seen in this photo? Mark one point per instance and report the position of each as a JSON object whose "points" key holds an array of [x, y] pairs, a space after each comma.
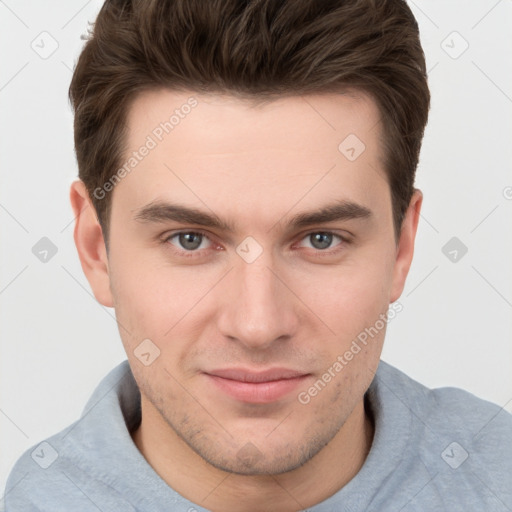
{"points": [[294, 306]]}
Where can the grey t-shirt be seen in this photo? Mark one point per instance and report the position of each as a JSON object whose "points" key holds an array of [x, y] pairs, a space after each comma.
{"points": [[433, 450]]}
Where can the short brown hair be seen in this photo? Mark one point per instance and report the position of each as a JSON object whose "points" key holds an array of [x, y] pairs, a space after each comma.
{"points": [[255, 49]]}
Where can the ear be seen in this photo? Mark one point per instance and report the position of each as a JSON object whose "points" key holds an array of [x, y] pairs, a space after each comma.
{"points": [[90, 244], [405, 248]]}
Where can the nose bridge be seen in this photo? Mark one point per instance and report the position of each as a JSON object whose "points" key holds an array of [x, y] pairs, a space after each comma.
{"points": [[259, 309]]}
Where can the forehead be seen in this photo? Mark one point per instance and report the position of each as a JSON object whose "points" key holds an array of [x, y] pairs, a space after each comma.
{"points": [[217, 119], [224, 151]]}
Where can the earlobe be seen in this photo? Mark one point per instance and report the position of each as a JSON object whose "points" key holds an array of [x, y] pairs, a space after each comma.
{"points": [[405, 249], [90, 244]]}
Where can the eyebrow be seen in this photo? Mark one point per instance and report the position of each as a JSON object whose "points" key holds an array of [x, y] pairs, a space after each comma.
{"points": [[160, 211]]}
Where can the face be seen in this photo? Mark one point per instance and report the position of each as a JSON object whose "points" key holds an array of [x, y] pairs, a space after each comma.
{"points": [[262, 289]]}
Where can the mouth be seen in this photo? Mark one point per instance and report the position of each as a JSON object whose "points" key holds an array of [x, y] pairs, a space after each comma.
{"points": [[257, 387]]}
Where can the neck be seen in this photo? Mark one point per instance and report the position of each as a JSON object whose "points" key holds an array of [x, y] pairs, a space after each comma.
{"points": [[198, 481]]}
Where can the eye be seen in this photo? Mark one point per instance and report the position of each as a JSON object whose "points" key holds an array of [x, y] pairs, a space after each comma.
{"points": [[188, 241], [322, 240]]}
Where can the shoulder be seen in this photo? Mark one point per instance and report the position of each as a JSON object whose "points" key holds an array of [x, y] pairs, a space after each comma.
{"points": [[460, 444], [447, 407], [63, 472]]}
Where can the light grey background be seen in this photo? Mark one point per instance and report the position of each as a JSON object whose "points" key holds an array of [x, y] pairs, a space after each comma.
{"points": [[455, 329]]}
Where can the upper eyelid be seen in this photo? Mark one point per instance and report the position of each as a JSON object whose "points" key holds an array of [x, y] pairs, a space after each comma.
{"points": [[167, 237]]}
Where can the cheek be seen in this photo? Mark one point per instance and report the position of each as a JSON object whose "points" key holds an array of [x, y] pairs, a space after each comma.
{"points": [[349, 298], [138, 288], [152, 297]]}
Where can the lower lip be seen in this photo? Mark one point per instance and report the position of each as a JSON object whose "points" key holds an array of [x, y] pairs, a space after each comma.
{"points": [[257, 392]]}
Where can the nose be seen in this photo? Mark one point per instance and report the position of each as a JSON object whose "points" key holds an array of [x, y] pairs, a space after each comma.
{"points": [[258, 308]]}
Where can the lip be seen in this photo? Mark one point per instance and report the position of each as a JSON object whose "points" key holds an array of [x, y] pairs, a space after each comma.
{"points": [[257, 387]]}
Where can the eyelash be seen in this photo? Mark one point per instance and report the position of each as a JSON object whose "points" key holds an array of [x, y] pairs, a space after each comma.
{"points": [[197, 253]]}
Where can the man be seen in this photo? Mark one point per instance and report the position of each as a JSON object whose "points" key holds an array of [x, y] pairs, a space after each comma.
{"points": [[246, 203]]}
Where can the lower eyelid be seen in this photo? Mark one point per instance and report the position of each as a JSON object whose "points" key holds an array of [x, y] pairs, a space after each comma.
{"points": [[342, 240], [167, 239]]}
